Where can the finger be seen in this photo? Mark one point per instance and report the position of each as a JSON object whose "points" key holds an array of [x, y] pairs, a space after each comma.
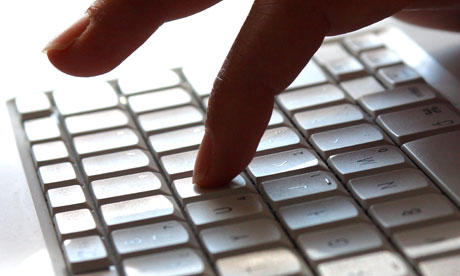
{"points": [[448, 20], [112, 30]]}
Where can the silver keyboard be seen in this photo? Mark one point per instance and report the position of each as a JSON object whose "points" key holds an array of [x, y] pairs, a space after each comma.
{"points": [[356, 174]]}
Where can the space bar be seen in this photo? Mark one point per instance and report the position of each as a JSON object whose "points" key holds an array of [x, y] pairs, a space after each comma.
{"points": [[439, 157]]}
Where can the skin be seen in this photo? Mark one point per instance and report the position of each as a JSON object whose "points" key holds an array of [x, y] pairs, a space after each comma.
{"points": [[276, 41]]}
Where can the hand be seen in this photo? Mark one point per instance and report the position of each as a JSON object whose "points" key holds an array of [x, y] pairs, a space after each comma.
{"points": [[275, 43]]}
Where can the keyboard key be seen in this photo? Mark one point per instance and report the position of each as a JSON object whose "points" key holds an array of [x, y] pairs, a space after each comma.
{"points": [[107, 141], [321, 213], [76, 223], [328, 118], [113, 164], [362, 42], [188, 192], [398, 98], [345, 68], [54, 151], [357, 88], [412, 211], [33, 105], [66, 198], [170, 119], [139, 211], [279, 139], [147, 80], [177, 141], [419, 122], [309, 76], [311, 97], [42, 129], [429, 241], [438, 157], [233, 208], [128, 187], [339, 242], [152, 238], [283, 164], [347, 139], [83, 96], [179, 165], [277, 119], [57, 175], [389, 186], [379, 58], [367, 161], [180, 262], [373, 264], [398, 75], [269, 262], [97, 121], [223, 241], [85, 254], [447, 266], [300, 188], [329, 52], [159, 100]]}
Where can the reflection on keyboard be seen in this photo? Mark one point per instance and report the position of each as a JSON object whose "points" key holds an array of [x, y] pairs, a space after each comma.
{"points": [[340, 184]]}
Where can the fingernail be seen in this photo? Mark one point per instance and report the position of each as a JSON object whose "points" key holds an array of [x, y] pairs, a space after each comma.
{"points": [[203, 160], [66, 38]]}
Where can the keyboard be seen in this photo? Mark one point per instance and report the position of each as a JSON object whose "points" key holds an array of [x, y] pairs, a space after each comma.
{"points": [[356, 174]]}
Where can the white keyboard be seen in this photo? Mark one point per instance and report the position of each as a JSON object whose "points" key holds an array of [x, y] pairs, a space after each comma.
{"points": [[356, 174]]}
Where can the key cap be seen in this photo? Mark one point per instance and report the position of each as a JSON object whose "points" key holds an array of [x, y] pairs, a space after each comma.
{"points": [[379, 58], [45, 153], [328, 118], [429, 241], [66, 198], [311, 97], [177, 141], [345, 68], [188, 192], [150, 238], [321, 213], [83, 96], [109, 271], [339, 242], [170, 119], [279, 139], [114, 164], [309, 76], [179, 165], [329, 52], [223, 241], [42, 129], [128, 187], [85, 254], [97, 121], [347, 139], [372, 264], [76, 223], [447, 266], [277, 119], [107, 141], [300, 188], [224, 210], [180, 262], [357, 88], [269, 262], [159, 100], [388, 186], [140, 211], [412, 211], [283, 164], [147, 80], [410, 124], [398, 98], [362, 42], [57, 175], [33, 105], [398, 75], [438, 157], [367, 161]]}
